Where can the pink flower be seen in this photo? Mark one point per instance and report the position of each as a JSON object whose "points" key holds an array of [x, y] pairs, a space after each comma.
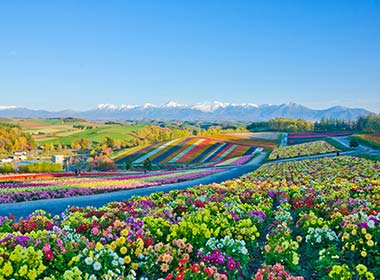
{"points": [[95, 231], [46, 248]]}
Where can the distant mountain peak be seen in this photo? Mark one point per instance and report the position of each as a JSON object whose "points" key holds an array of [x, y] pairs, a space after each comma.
{"points": [[210, 106], [207, 111], [172, 104], [106, 107], [148, 105], [127, 107]]}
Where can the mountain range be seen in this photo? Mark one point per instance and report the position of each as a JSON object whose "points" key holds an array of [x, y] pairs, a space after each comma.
{"points": [[210, 111]]}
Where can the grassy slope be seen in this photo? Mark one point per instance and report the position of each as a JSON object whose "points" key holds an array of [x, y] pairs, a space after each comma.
{"points": [[97, 134], [367, 140], [54, 131], [336, 144]]}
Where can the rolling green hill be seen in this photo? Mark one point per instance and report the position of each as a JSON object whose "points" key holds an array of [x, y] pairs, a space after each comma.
{"points": [[66, 130]]}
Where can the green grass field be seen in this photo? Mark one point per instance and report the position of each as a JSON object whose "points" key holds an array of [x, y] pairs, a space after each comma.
{"points": [[96, 134], [57, 131]]}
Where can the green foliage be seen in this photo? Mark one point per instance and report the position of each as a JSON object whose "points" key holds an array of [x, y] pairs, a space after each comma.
{"points": [[8, 124], [40, 167], [353, 143], [147, 164], [370, 123], [282, 124], [127, 165], [153, 133], [7, 168], [259, 126], [329, 125], [81, 144]]}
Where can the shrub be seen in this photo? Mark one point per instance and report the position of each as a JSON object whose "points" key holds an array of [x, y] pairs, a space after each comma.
{"points": [[353, 143], [40, 167], [7, 168]]}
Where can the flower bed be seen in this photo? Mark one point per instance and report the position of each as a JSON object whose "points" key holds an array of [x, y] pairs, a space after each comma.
{"points": [[233, 161], [305, 149], [11, 192], [301, 137], [191, 150], [315, 219]]}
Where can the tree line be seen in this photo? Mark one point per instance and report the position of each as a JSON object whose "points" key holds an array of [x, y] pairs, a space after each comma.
{"points": [[369, 123]]}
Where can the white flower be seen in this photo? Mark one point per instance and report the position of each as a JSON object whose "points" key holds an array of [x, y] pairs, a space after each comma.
{"points": [[371, 224], [97, 266], [92, 277], [88, 260], [115, 263], [121, 261]]}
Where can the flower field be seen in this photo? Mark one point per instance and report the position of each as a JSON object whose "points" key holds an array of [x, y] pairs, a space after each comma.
{"points": [[312, 219], [305, 149], [302, 137], [236, 161], [192, 150], [35, 189]]}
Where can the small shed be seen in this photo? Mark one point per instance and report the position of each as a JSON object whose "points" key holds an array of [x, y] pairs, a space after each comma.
{"points": [[58, 159]]}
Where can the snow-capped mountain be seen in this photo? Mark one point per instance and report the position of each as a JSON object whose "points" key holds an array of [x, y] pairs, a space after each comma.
{"points": [[7, 107], [210, 106], [212, 111]]}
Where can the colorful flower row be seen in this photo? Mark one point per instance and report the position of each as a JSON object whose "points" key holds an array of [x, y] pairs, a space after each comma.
{"points": [[67, 187], [302, 137], [190, 150]]}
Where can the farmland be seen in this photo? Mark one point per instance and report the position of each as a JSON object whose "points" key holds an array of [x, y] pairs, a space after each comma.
{"points": [[195, 150], [65, 131]]}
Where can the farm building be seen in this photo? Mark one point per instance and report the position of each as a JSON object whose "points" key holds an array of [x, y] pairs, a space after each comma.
{"points": [[58, 159]]}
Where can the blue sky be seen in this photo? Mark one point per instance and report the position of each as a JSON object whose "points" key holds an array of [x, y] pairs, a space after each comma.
{"points": [[76, 54]]}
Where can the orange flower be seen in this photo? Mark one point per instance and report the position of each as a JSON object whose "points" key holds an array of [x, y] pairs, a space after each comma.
{"points": [[164, 267]]}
